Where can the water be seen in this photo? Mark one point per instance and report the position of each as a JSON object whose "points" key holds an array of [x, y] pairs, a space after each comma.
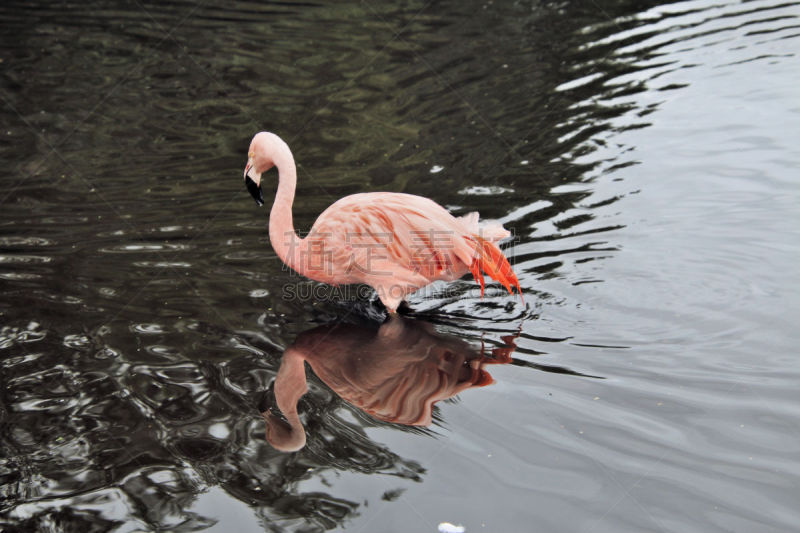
{"points": [[644, 154]]}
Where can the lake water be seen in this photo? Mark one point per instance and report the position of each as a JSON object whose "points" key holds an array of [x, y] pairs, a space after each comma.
{"points": [[644, 154]]}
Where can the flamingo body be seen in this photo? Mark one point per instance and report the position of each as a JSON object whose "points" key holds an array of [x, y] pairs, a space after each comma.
{"points": [[395, 242], [395, 373]]}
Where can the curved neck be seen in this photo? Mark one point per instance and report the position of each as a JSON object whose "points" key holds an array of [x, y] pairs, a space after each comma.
{"points": [[290, 383], [281, 229], [290, 386]]}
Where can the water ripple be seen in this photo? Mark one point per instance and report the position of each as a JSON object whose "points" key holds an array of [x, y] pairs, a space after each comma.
{"points": [[645, 159]]}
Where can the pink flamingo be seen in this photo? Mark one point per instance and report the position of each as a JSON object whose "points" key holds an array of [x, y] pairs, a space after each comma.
{"points": [[395, 373], [396, 243]]}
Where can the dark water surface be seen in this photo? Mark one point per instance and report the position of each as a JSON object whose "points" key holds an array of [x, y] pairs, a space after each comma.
{"points": [[645, 154]]}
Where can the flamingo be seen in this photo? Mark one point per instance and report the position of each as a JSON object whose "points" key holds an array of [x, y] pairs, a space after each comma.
{"points": [[397, 243], [396, 372]]}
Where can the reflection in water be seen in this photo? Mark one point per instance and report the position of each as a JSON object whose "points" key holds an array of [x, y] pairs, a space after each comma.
{"points": [[395, 373]]}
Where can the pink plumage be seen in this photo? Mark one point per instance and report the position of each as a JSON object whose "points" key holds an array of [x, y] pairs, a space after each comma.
{"points": [[396, 243]]}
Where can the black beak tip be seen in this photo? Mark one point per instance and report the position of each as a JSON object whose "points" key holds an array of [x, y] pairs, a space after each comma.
{"points": [[255, 190]]}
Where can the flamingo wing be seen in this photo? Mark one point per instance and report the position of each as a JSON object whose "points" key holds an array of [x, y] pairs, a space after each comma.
{"points": [[408, 237], [402, 232]]}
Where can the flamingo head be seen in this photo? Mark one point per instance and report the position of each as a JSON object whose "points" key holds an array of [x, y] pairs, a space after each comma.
{"points": [[259, 160], [283, 436]]}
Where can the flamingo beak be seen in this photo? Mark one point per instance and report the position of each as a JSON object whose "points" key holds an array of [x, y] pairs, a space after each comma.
{"points": [[255, 190]]}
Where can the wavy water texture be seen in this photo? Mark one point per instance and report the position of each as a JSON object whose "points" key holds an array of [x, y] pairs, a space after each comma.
{"points": [[643, 153]]}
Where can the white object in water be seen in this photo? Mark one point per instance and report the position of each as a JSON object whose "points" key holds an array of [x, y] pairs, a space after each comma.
{"points": [[447, 527]]}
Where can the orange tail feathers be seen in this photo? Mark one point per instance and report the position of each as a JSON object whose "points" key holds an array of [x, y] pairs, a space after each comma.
{"points": [[489, 259]]}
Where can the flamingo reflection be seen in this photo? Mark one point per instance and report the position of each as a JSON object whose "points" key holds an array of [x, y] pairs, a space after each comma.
{"points": [[396, 372]]}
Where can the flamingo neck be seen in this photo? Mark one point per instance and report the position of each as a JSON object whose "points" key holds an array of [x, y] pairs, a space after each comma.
{"points": [[290, 383], [282, 235], [292, 438], [290, 386]]}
